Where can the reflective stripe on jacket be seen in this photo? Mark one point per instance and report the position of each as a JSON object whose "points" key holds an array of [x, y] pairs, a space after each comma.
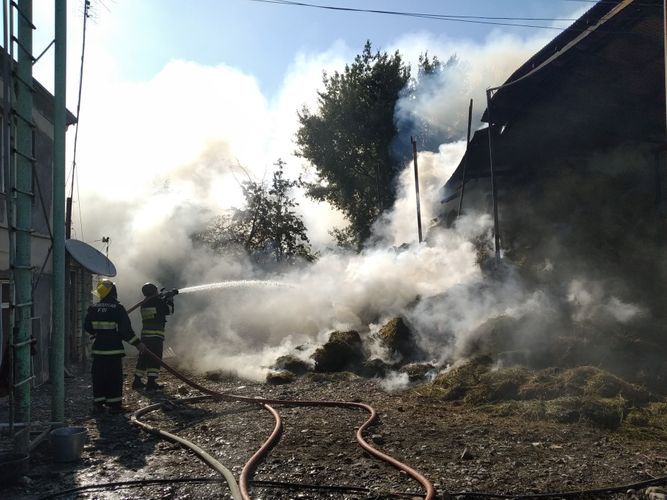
{"points": [[154, 312], [152, 333], [108, 324]]}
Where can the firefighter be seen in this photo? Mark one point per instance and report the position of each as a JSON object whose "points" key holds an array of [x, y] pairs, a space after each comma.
{"points": [[108, 324], [154, 311]]}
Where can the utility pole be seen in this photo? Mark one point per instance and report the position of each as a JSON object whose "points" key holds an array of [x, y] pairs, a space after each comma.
{"points": [[419, 214]]}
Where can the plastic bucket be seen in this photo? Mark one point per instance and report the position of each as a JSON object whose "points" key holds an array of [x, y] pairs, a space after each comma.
{"points": [[12, 466], [67, 443]]}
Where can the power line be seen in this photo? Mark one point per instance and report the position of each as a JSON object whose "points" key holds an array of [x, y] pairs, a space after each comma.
{"points": [[492, 20], [438, 17], [86, 14]]}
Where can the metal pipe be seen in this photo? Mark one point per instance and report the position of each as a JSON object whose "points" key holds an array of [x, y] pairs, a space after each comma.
{"points": [[34, 443], [4, 140], [11, 208], [24, 381], [43, 52], [84, 302], [664, 45], [465, 161], [35, 423], [494, 200], [22, 272], [57, 364], [419, 213]]}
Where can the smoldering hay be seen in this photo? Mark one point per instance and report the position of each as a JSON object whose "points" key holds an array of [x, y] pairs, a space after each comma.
{"points": [[155, 179]]}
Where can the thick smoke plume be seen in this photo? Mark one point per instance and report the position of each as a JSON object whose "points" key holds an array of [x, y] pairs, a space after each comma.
{"points": [[154, 168]]}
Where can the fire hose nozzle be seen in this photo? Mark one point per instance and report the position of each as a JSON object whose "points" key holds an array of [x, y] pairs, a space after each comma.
{"points": [[168, 294]]}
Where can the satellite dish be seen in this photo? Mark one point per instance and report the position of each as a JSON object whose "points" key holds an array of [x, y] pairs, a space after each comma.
{"points": [[90, 258]]}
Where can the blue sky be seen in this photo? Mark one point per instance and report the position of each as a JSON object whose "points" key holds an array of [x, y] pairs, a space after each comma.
{"points": [[262, 38]]}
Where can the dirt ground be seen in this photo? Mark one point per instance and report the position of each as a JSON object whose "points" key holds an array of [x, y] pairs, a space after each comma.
{"points": [[459, 448]]}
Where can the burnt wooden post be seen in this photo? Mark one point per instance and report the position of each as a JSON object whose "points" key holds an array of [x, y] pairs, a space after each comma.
{"points": [[494, 197], [419, 215], [465, 161]]}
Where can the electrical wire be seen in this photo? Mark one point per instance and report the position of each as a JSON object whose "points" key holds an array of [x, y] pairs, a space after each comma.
{"points": [[86, 14], [647, 4], [490, 20], [497, 21]]}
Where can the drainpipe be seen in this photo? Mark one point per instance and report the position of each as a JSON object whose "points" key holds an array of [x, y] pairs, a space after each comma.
{"points": [[23, 223], [57, 364]]}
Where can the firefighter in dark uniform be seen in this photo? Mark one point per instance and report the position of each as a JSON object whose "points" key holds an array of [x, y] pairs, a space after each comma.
{"points": [[108, 324], [154, 311]]}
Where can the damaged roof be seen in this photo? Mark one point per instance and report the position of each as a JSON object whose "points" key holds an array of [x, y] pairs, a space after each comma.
{"points": [[611, 32], [599, 83]]}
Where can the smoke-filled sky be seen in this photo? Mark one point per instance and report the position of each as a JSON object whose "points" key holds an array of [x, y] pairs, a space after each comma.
{"points": [[182, 101], [179, 102]]}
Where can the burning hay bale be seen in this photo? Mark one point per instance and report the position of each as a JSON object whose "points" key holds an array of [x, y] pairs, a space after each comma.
{"points": [[292, 364], [220, 375], [376, 368], [279, 377], [585, 381], [417, 372], [397, 337], [456, 383], [343, 351], [582, 394]]}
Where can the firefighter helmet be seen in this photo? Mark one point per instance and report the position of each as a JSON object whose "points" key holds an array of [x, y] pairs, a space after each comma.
{"points": [[149, 289], [104, 287]]}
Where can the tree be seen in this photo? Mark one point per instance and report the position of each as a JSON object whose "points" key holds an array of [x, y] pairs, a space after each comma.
{"points": [[422, 91], [266, 228], [349, 139]]}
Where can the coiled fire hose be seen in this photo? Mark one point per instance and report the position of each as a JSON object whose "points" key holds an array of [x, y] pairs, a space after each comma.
{"points": [[252, 463]]}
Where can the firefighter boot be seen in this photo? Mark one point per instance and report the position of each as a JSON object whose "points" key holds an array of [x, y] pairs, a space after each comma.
{"points": [[137, 384], [98, 409], [117, 409], [152, 384]]}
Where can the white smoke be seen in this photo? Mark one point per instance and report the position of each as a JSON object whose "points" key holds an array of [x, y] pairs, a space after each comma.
{"points": [[339, 291], [158, 158], [442, 102], [399, 225], [589, 301], [395, 381]]}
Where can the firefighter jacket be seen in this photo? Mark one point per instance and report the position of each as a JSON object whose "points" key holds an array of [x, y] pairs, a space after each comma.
{"points": [[108, 324], [154, 312]]}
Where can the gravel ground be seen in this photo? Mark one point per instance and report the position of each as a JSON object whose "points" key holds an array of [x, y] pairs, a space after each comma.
{"points": [[458, 448]]}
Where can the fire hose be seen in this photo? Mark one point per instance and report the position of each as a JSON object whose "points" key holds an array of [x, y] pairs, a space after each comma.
{"points": [[252, 463], [164, 294], [208, 459]]}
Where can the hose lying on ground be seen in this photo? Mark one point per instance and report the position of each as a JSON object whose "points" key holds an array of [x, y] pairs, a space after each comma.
{"points": [[266, 447], [212, 462], [249, 467]]}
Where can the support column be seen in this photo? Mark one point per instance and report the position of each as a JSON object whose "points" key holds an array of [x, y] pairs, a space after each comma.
{"points": [[57, 364]]}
